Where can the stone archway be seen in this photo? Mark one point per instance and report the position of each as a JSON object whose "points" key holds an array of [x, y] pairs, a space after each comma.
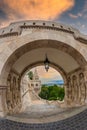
{"points": [[66, 48]]}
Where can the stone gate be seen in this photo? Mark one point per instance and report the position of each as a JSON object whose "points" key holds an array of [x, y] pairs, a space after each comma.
{"points": [[23, 45]]}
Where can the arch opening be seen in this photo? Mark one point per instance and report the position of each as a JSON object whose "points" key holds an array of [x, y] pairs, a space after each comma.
{"points": [[39, 80], [32, 54], [24, 47], [75, 56], [31, 83]]}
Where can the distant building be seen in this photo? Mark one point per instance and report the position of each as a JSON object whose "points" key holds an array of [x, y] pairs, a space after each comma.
{"points": [[36, 82]]}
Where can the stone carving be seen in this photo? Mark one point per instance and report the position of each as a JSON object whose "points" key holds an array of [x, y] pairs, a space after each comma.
{"points": [[18, 92], [9, 94], [14, 92], [69, 88], [13, 95], [82, 88], [75, 89]]}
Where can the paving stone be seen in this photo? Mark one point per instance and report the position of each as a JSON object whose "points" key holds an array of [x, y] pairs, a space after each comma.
{"points": [[77, 122]]}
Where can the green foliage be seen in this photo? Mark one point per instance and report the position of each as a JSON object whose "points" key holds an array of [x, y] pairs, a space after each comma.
{"points": [[44, 92], [30, 75], [52, 92]]}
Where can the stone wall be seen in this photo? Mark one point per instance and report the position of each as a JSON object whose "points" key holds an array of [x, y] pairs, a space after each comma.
{"points": [[13, 93], [76, 88], [2, 100], [22, 37]]}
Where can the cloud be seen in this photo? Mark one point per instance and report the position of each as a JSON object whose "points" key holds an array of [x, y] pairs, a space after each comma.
{"points": [[75, 16], [84, 11], [35, 9], [85, 7], [83, 26]]}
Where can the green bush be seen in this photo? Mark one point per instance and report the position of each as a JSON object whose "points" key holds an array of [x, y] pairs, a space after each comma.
{"points": [[52, 92]]}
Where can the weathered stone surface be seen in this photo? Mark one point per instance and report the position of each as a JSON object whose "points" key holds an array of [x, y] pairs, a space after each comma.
{"points": [[24, 44], [77, 122]]}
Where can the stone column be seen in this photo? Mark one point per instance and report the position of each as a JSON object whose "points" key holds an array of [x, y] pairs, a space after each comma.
{"points": [[68, 93], [67, 102], [3, 110], [85, 79]]}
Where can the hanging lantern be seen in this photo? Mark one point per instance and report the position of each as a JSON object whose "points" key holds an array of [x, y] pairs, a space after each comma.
{"points": [[46, 63]]}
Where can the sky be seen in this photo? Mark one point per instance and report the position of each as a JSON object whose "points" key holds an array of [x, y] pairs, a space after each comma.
{"points": [[49, 77], [71, 12]]}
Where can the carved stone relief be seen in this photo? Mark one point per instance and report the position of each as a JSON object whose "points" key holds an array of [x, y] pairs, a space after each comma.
{"points": [[82, 85], [13, 95], [76, 88], [69, 89], [18, 92], [9, 94]]}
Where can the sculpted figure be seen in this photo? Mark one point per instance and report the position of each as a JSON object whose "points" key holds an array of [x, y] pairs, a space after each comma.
{"points": [[69, 88], [9, 94], [14, 91], [82, 88], [75, 89], [18, 91]]}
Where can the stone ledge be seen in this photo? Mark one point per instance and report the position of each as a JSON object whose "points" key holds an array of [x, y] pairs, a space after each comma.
{"points": [[15, 29]]}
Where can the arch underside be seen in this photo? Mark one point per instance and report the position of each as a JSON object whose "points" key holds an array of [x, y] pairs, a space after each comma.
{"points": [[66, 57]]}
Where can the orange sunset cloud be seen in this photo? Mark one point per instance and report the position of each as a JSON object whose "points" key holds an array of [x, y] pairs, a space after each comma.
{"points": [[35, 9]]}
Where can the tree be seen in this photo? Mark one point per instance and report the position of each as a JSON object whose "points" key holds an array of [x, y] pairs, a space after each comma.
{"points": [[52, 92], [44, 92], [30, 75]]}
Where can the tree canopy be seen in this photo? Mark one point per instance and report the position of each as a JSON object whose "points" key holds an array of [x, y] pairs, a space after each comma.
{"points": [[30, 75], [52, 92]]}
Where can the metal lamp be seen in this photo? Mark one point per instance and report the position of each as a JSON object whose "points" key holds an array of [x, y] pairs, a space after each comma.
{"points": [[46, 63]]}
